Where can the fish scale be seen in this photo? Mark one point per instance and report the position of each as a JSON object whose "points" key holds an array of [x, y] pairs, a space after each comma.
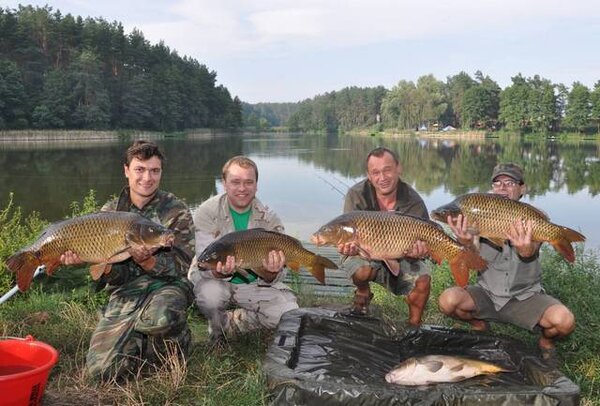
{"points": [[390, 235], [491, 216], [253, 246], [97, 238]]}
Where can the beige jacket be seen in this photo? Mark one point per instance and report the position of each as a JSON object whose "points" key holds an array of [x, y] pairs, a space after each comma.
{"points": [[213, 220]]}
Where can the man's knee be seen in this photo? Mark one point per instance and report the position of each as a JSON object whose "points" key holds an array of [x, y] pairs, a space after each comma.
{"points": [[559, 317], [281, 303], [364, 274], [449, 300], [211, 295]]}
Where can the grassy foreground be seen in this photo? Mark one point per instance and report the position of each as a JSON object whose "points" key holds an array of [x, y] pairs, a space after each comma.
{"points": [[62, 312]]}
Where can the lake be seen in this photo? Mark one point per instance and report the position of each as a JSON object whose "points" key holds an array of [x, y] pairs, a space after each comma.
{"points": [[303, 177]]}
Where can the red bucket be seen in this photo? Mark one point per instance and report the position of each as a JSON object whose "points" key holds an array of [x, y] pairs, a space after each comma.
{"points": [[24, 367]]}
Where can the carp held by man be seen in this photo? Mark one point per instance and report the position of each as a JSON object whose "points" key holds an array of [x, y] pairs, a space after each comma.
{"points": [[430, 369], [389, 236], [251, 247], [490, 216], [100, 238]]}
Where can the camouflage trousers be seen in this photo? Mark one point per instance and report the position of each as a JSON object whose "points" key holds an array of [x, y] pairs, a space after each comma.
{"points": [[144, 322]]}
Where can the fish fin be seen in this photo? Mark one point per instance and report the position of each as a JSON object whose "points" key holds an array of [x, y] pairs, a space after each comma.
{"points": [[51, 266], [457, 368], [563, 244], [564, 248], [97, 270], [497, 241], [317, 268], [119, 256], [433, 365], [244, 273], [393, 265], [293, 265], [364, 253], [461, 263], [24, 265]]}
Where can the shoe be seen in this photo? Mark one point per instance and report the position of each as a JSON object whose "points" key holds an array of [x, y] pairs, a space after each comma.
{"points": [[360, 305]]}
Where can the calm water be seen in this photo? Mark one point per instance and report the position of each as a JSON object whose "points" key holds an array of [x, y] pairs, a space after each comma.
{"points": [[303, 178]]}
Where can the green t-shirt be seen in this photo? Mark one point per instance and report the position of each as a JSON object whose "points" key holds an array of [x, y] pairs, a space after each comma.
{"points": [[240, 222]]}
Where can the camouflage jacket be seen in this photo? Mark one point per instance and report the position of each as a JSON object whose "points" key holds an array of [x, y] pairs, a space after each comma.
{"points": [[213, 220], [171, 264]]}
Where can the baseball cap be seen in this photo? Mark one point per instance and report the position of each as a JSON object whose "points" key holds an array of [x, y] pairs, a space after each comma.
{"points": [[510, 169]]}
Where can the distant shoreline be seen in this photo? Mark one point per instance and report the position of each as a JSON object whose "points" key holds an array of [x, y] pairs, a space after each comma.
{"points": [[20, 136]]}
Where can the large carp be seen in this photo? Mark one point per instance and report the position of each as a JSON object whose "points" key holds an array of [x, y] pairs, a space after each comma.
{"points": [[490, 216], [99, 238], [252, 246], [388, 236], [430, 369]]}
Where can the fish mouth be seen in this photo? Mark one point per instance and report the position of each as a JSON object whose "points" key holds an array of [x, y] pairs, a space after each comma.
{"points": [[438, 215], [316, 239], [169, 240]]}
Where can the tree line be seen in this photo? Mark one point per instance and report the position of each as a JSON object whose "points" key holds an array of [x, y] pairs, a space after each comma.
{"points": [[66, 72], [527, 105]]}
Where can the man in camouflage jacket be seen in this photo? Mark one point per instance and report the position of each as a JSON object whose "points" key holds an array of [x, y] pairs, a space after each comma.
{"points": [[145, 318]]}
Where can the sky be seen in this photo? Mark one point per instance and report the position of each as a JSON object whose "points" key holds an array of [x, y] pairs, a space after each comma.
{"points": [[291, 50]]}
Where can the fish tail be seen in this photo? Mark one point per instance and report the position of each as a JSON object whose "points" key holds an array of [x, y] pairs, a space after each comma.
{"points": [[318, 266], [564, 248], [24, 265], [461, 264], [562, 244]]}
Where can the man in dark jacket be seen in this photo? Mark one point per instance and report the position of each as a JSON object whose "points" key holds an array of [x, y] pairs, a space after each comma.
{"points": [[384, 190]]}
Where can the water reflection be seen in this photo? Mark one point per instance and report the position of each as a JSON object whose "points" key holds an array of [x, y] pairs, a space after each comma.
{"points": [[303, 177]]}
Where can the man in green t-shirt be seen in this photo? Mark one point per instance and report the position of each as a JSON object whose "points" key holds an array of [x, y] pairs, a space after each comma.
{"points": [[233, 303]]}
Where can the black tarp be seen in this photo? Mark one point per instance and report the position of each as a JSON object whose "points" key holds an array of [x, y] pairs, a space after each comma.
{"points": [[326, 357]]}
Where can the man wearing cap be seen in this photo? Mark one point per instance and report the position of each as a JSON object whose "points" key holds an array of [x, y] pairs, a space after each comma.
{"points": [[509, 290]]}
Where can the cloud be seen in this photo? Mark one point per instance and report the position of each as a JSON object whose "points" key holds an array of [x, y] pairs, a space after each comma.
{"points": [[233, 28]]}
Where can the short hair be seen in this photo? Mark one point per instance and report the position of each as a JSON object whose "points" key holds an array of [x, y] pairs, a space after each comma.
{"points": [[143, 150], [379, 151], [241, 161]]}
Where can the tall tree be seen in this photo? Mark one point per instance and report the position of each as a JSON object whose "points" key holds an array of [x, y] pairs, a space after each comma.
{"points": [[456, 86], [12, 96], [595, 105], [92, 105], [578, 111], [55, 108]]}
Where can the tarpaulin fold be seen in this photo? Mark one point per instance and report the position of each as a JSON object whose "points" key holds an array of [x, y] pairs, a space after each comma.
{"points": [[327, 357]]}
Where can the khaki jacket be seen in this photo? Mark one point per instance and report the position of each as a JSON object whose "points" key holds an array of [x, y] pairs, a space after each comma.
{"points": [[212, 220]]}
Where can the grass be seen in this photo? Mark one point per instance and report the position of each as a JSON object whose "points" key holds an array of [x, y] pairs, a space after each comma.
{"points": [[64, 316]]}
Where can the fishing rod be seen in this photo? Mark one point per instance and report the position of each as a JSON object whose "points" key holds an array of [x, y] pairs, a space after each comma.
{"points": [[332, 185], [15, 288]]}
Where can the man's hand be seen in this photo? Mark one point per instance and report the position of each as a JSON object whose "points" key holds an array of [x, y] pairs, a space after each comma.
{"points": [[143, 256], [70, 258], [520, 234], [460, 228], [274, 262], [348, 249], [227, 269]]}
